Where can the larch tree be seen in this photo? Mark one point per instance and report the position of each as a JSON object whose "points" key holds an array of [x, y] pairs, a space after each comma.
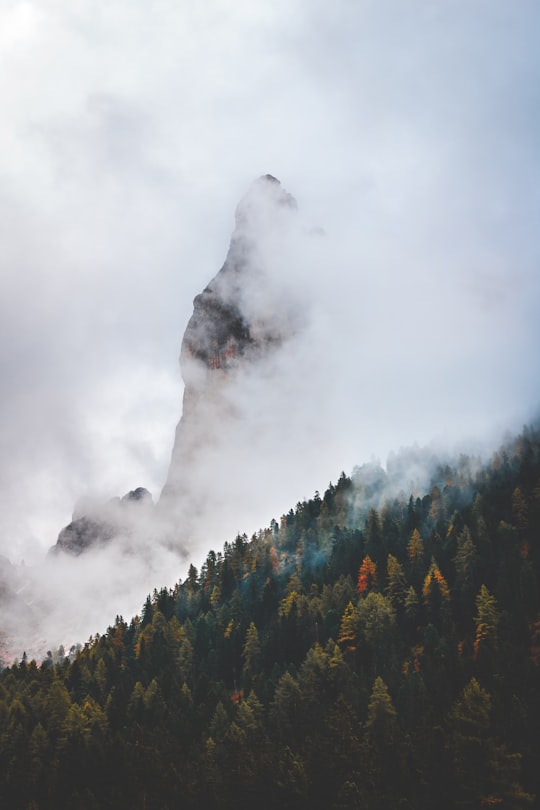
{"points": [[367, 576], [415, 546], [348, 631], [416, 558], [436, 594], [486, 641]]}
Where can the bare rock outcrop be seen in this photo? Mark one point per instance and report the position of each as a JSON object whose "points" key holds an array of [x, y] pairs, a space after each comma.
{"points": [[95, 525]]}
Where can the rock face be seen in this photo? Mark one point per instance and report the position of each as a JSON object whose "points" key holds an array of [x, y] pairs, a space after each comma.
{"points": [[238, 321], [95, 526], [82, 534], [231, 321]]}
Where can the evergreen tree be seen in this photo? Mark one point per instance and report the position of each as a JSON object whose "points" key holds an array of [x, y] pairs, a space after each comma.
{"points": [[486, 639], [396, 583]]}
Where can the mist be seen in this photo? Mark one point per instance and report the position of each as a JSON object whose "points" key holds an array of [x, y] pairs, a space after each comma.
{"points": [[408, 135]]}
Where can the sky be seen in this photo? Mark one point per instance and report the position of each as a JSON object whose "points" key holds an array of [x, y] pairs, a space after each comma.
{"points": [[129, 131]]}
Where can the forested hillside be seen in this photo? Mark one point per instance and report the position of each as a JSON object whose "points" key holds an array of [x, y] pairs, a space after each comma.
{"points": [[373, 649]]}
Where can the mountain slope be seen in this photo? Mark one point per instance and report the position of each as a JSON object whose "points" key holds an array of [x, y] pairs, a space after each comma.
{"points": [[374, 649]]}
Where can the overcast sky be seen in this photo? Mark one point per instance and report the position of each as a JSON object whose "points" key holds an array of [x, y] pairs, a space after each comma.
{"points": [[129, 131]]}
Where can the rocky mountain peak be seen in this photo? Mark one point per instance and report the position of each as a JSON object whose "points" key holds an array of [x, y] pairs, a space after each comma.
{"points": [[263, 202], [230, 317], [238, 320]]}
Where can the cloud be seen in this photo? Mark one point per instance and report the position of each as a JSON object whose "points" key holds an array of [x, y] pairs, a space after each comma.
{"points": [[128, 135]]}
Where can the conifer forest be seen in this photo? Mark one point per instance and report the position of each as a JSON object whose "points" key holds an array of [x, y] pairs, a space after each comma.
{"points": [[377, 647]]}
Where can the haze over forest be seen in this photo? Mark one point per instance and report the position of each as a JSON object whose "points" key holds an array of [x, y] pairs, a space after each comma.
{"points": [[128, 135]]}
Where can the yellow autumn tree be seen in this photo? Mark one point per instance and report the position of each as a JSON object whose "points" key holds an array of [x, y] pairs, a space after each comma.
{"points": [[348, 631], [415, 546], [486, 641]]}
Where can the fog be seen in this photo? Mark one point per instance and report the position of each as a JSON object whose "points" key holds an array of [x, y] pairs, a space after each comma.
{"points": [[129, 134]]}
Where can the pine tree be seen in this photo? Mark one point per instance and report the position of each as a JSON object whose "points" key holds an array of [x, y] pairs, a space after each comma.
{"points": [[382, 759], [520, 510], [485, 773], [381, 723], [251, 653], [396, 583]]}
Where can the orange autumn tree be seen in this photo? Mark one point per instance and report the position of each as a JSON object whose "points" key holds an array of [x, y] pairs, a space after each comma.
{"points": [[367, 576], [436, 592]]}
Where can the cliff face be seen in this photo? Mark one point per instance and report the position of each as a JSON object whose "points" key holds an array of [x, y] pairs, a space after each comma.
{"points": [[238, 321], [230, 318]]}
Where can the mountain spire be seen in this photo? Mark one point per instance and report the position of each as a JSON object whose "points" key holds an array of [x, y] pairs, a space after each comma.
{"points": [[237, 322]]}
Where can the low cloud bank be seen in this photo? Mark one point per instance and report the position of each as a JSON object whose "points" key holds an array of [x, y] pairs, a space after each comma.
{"points": [[384, 353]]}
